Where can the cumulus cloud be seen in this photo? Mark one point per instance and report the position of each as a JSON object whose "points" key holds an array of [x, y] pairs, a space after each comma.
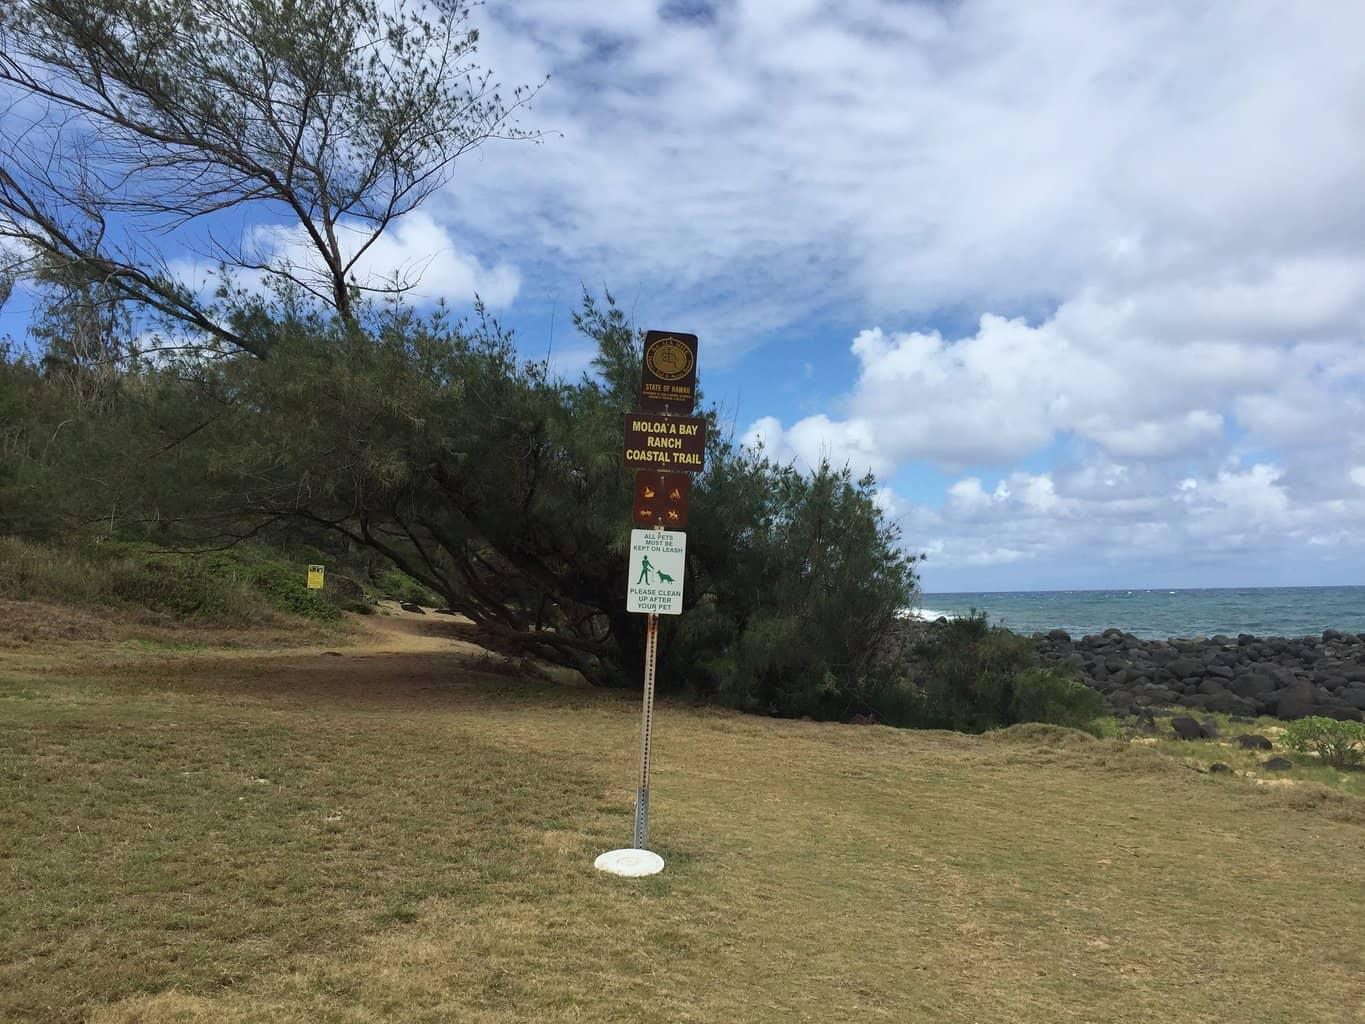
{"points": [[1059, 527], [1095, 371], [416, 252], [917, 157]]}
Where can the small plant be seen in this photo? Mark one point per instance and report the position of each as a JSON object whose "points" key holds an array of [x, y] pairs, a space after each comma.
{"points": [[1339, 744]]}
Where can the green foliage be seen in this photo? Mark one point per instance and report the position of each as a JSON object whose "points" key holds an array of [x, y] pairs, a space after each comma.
{"points": [[1338, 744], [499, 489], [970, 676], [238, 587], [397, 586]]}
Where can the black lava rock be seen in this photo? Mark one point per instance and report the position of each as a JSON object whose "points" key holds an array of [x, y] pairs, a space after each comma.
{"points": [[1254, 741], [1187, 728]]}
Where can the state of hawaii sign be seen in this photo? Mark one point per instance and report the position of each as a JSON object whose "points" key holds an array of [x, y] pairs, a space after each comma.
{"points": [[668, 381]]}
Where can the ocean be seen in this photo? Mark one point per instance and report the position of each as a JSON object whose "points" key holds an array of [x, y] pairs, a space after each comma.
{"points": [[1159, 614]]}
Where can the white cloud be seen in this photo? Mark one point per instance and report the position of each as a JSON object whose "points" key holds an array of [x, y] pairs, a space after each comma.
{"points": [[1135, 226], [415, 251], [1060, 524], [985, 155]]}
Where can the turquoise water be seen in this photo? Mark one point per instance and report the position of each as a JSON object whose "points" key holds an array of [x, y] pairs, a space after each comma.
{"points": [[1157, 614]]}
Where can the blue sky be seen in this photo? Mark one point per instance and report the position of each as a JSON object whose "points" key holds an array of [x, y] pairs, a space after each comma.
{"points": [[1083, 284]]}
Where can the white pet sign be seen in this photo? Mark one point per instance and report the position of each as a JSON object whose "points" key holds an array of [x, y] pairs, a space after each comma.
{"points": [[657, 558]]}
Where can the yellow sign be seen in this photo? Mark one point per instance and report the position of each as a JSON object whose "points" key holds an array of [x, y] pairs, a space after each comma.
{"points": [[315, 577]]}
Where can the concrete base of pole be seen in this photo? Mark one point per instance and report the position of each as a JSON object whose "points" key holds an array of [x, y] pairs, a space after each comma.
{"points": [[629, 863]]}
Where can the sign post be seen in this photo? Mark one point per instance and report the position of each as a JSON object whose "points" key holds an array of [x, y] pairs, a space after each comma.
{"points": [[663, 444], [640, 837]]}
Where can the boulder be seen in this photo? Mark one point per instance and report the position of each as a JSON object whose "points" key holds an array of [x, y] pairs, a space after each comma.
{"points": [[1219, 768], [1278, 764], [1231, 704], [1187, 728], [1254, 741], [1253, 685], [1186, 668], [1296, 701], [1344, 714], [408, 606], [1209, 728]]}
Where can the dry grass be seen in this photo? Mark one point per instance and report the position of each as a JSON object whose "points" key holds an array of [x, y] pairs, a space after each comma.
{"points": [[384, 835], [1308, 773]]}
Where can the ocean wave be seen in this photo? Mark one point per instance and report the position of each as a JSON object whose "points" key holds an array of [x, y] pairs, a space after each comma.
{"points": [[927, 614]]}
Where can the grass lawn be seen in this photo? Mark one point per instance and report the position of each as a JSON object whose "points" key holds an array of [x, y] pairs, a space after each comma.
{"points": [[395, 833]]}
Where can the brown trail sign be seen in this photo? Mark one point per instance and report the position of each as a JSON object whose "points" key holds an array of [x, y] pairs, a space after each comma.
{"points": [[665, 443]]}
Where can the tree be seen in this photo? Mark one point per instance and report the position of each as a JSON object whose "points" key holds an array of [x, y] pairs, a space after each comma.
{"points": [[132, 117], [502, 489]]}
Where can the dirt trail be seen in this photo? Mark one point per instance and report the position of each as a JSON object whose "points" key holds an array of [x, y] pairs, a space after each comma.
{"points": [[394, 650]]}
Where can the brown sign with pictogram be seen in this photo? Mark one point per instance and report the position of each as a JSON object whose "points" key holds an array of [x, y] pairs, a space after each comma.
{"points": [[668, 383], [661, 499]]}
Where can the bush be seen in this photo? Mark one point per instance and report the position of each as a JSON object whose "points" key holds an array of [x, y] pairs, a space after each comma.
{"points": [[1047, 695], [399, 586], [185, 591], [972, 677], [1338, 744], [235, 587]]}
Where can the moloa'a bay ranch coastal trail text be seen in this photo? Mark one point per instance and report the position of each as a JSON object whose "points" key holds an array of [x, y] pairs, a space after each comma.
{"points": [[662, 443], [667, 443]]}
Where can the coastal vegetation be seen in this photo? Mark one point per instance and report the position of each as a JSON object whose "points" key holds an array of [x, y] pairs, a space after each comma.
{"points": [[1336, 744]]}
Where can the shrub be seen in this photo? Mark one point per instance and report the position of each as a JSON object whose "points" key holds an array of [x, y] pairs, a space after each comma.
{"points": [[1338, 744], [399, 586], [971, 677], [1046, 695], [238, 586], [181, 590]]}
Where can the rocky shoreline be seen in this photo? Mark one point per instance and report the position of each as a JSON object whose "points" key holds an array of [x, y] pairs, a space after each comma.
{"points": [[1241, 675]]}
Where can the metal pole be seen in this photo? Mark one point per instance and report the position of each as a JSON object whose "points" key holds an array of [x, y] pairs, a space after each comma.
{"points": [[646, 726]]}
